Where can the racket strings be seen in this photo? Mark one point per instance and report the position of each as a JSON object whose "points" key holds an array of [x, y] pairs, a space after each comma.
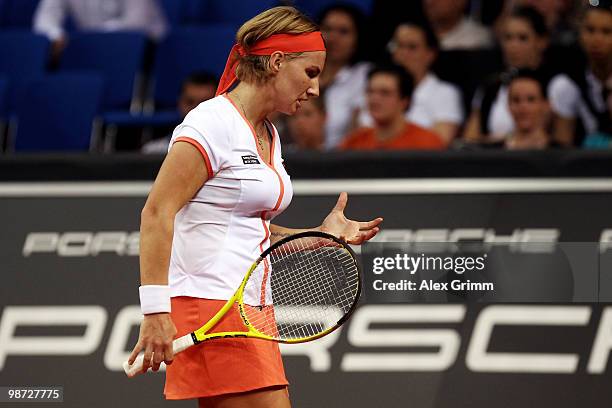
{"points": [[310, 284]]}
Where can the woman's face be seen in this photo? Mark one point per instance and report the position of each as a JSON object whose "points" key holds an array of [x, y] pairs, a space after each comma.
{"points": [[409, 49], [340, 35], [297, 80], [521, 45], [527, 105], [596, 35]]}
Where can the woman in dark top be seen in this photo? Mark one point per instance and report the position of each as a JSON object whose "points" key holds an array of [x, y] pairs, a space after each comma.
{"points": [[524, 42]]}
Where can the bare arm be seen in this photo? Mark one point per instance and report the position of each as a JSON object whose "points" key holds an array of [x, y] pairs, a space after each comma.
{"points": [[472, 132], [180, 177], [446, 130], [277, 232], [563, 130]]}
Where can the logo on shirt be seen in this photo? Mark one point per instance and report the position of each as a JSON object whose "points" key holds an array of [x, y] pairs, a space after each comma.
{"points": [[250, 159]]}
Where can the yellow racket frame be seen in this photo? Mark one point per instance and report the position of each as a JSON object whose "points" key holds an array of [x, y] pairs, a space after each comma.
{"points": [[201, 335]]}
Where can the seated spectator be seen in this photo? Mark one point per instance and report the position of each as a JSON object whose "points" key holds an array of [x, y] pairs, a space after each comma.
{"points": [[455, 31], [307, 125], [388, 97], [344, 77], [558, 14], [530, 111], [435, 104], [98, 15], [524, 42], [197, 88], [583, 93]]}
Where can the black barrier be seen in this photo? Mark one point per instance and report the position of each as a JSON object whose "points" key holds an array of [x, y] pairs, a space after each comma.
{"points": [[342, 165]]}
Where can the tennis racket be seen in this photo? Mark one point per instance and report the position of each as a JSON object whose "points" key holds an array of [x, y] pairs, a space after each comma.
{"points": [[300, 289]]}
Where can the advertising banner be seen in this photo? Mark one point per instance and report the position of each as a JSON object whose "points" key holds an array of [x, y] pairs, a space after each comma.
{"points": [[541, 337]]}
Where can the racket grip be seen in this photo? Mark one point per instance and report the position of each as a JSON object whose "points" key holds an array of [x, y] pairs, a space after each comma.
{"points": [[178, 345]]}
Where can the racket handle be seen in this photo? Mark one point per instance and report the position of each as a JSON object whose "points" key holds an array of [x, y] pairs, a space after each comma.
{"points": [[178, 345]]}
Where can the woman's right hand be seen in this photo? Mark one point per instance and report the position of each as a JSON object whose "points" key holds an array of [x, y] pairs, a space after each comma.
{"points": [[157, 332]]}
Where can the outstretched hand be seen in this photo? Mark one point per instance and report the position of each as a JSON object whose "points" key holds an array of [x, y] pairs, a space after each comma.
{"points": [[353, 232]]}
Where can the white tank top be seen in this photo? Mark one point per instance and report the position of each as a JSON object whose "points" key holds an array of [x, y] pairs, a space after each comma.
{"points": [[226, 225]]}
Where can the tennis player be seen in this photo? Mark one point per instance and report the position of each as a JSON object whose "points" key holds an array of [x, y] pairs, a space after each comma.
{"points": [[207, 217]]}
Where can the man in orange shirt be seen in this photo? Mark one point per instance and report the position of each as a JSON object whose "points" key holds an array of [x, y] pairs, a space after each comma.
{"points": [[388, 97]]}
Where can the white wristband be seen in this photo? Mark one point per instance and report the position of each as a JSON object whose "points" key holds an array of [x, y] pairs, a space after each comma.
{"points": [[154, 299]]}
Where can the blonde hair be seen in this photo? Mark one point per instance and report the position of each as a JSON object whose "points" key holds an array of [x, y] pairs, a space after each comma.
{"points": [[277, 20]]}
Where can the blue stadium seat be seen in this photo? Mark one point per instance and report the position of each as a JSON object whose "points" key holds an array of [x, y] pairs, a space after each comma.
{"points": [[313, 8], [3, 110], [4, 86], [173, 10], [118, 57], [180, 12], [187, 50], [28, 59], [56, 113], [235, 11], [3, 12], [3, 97], [17, 13]]}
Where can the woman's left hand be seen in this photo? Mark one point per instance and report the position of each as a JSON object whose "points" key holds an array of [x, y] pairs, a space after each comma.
{"points": [[353, 232]]}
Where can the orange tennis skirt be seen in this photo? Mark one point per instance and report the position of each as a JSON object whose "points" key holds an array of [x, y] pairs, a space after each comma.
{"points": [[219, 366]]}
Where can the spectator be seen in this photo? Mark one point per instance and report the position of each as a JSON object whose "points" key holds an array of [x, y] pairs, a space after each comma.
{"points": [[388, 97], [98, 15], [344, 78], [307, 125], [583, 92], [435, 105], [197, 88], [386, 16], [453, 28], [558, 14], [524, 42], [530, 111]]}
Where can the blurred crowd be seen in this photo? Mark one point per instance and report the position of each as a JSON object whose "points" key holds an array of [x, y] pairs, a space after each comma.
{"points": [[422, 74], [541, 75]]}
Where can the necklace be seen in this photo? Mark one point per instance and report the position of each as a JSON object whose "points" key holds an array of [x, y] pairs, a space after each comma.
{"points": [[257, 137]]}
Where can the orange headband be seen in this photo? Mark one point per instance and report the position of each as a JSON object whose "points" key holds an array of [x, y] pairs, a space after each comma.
{"points": [[277, 42]]}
